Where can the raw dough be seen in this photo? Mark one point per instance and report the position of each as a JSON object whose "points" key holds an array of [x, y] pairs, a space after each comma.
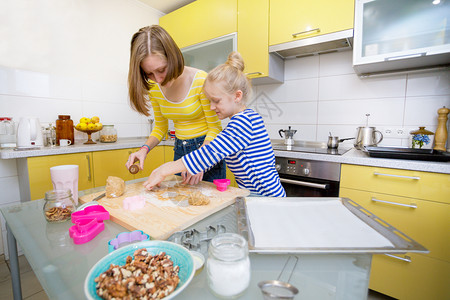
{"points": [[115, 187], [197, 198]]}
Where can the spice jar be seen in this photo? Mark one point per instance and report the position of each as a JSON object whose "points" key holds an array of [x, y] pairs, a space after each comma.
{"points": [[58, 206], [228, 265], [108, 134], [422, 138], [64, 129]]}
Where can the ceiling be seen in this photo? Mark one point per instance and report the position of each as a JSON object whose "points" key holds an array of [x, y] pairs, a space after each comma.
{"points": [[166, 6]]}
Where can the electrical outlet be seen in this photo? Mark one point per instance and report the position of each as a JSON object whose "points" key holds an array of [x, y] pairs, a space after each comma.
{"points": [[388, 132], [401, 132]]}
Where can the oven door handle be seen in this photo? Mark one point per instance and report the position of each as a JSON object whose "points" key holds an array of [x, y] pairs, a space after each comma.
{"points": [[305, 183]]}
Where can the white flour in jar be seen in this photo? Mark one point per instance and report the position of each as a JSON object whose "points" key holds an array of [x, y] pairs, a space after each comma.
{"points": [[227, 278]]}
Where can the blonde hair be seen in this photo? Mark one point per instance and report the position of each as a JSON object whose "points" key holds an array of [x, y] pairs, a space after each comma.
{"points": [[231, 75], [151, 40]]}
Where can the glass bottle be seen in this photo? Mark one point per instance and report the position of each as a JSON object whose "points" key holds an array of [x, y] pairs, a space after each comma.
{"points": [[108, 134], [64, 129], [228, 265], [58, 206]]}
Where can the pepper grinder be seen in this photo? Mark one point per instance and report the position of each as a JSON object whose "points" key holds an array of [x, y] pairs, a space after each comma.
{"points": [[133, 169], [440, 137]]}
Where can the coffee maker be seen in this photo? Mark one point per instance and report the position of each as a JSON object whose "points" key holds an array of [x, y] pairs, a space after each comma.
{"points": [[288, 135]]}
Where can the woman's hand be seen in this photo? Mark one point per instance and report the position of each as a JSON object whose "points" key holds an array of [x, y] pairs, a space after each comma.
{"points": [[191, 179], [139, 155]]}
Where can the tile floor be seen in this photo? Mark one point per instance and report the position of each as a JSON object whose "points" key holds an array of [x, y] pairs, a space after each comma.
{"points": [[32, 290]]}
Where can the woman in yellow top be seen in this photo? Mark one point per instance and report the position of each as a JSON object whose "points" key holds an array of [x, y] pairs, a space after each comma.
{"points": [[157, 73]]}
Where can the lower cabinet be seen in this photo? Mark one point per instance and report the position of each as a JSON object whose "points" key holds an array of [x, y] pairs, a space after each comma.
{"points": [[38, 180], [417, 204]]}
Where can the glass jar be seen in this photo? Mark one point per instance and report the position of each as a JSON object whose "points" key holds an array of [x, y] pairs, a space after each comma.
{"points": [[7, 132], [228, 265], [421, 139], [108, 134], [64, 129], [58, 206]]}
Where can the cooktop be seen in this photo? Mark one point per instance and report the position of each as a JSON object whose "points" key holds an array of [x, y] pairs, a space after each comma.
{"points": [[311, 147]]}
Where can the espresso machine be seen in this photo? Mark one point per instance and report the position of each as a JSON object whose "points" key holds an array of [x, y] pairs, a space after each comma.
{"points": [[288, 135]]}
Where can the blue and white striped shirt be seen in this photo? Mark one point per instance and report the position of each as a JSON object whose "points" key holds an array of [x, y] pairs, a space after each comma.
{"points": [[246, 147]]}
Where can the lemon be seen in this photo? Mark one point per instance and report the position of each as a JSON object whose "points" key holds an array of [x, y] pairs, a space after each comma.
{"points": [[91, 126], [85, 120], [82, 126], [98, 126], [95, 119]]}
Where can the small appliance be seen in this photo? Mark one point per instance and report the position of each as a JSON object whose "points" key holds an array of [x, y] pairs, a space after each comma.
{"points": [[29, 133]]}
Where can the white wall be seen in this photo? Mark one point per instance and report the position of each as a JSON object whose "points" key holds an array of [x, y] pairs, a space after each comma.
{"points": [[322, 94], [67, 57]]}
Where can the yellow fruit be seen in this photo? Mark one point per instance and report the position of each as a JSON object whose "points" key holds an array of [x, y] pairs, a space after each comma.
{"points": [[85, 120], [98, 126], [91, 126], [95, 119], [82, 126]]}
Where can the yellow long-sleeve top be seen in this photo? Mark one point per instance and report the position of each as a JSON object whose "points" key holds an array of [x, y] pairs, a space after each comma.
{"points": [[192, 117]]}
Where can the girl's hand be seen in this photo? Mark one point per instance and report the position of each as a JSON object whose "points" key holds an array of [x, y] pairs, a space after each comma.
{"points": [[137, 156], [191, 179], [154, 179]]}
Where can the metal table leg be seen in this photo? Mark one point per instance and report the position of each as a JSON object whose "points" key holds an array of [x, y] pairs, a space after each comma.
{"points": [[14, 264]]}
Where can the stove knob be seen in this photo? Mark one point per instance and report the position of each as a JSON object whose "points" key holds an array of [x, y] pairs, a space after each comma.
{"points": [[277, 167], [306, 171]]}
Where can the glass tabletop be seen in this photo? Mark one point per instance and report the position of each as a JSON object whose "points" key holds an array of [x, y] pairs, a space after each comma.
{"points": [[61, 266]]}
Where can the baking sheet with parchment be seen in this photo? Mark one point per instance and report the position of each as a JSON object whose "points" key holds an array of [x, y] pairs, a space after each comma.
{"points": [[166, 209]]}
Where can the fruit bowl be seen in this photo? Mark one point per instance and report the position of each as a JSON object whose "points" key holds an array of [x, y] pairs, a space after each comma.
{"points": [[89, 132]]}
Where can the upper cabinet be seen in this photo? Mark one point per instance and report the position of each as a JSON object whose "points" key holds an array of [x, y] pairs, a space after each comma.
{"points": [[401, 34], [253, 42], [200, 21], [292, 20]]}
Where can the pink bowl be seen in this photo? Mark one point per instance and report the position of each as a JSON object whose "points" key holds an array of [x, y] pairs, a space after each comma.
{"points": [[221, 184]]}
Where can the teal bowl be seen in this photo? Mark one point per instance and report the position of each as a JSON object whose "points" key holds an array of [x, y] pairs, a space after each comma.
{"points": [[180, 256]]}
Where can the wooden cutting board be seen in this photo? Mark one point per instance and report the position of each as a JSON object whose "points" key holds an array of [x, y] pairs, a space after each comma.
{"points": [[164, 213]]}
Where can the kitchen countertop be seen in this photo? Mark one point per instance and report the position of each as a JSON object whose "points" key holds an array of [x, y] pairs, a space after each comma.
{"points": [[353, 156]]}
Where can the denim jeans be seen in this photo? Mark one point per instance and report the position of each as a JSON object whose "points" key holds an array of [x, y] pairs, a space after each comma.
{"points": [[183, 147]]}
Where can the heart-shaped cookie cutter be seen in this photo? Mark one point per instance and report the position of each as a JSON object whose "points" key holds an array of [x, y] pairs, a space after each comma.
{"points": [[88, 223], [125, 238]]}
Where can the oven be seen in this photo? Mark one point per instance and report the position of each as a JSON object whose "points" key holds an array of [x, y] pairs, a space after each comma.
{"points": [[308, 178]]}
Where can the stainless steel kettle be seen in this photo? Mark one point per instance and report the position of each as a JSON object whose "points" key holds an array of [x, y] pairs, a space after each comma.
{"points": [[366, 136], [288, 135]]}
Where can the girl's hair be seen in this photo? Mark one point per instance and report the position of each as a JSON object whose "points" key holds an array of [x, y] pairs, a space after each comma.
{"points": [[151, 40], [231, 74]]}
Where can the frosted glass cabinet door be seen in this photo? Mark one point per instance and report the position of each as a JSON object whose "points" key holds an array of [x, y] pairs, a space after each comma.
{"points": [[387, 30], [207, 55]]}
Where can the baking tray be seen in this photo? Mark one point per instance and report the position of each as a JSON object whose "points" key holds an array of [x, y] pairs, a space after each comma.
{"points": [[407, 153], [401, 243]]}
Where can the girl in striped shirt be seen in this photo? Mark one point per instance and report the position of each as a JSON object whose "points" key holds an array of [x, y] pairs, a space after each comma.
{"points": [[244, 143], [157, 73]]}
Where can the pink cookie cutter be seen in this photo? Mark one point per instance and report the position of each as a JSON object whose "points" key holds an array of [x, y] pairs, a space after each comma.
{"points": [[221, 184], [134, 202], [88, 223]]}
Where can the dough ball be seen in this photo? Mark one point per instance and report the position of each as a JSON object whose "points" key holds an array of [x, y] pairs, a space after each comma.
{"points": [[115, 187]]}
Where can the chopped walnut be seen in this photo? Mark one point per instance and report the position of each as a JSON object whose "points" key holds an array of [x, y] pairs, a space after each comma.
{"points": [[144, 276]]}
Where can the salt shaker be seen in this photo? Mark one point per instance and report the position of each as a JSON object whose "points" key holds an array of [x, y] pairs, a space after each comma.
{"points": [[228, 266]]}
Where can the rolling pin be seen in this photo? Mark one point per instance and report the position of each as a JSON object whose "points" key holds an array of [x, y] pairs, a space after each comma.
{"points": [[440, 136]]}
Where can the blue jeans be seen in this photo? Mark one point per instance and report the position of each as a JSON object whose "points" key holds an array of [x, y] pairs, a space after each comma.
{"points": [[183, 147]]}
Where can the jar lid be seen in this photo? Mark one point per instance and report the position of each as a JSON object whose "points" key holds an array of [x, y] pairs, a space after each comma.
{"points": [[5, 118], [64, 117], [422, 130]]}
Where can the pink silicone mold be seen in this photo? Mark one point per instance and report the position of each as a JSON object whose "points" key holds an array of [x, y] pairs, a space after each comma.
{"points": [[88, 223], [133, 203], [221, 184], [127, 238]]}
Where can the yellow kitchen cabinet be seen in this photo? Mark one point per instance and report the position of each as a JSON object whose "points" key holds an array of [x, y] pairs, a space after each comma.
{"points": [[154, 159], [230, 176], [39, 172], [111, 163], [168, 153], [201, 21], [417, 203], [292, 20]]}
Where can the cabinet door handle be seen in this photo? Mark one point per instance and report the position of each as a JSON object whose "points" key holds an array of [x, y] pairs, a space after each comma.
{"points": [[399, 176], [89, 167], [254, 73], [412, 205], [306, 31], [406, 258], [405, 56]]}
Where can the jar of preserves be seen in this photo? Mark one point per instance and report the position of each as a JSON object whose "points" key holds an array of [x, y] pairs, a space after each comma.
{"points": [[58, 206], [108, 134], [422, 138], [64, 129], [228, 265]]}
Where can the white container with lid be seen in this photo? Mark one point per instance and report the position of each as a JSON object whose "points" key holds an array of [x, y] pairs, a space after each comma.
{"points": [[7, 132]]}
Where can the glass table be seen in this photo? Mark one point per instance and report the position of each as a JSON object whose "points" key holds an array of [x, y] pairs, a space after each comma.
{"points": [[61, 266]]}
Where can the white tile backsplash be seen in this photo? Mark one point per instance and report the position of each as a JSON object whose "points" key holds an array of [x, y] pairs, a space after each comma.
{"points": [[306, 67], [423, 110], [429, 84], [339, 63]]}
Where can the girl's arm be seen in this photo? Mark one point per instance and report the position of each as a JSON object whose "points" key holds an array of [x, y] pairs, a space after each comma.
{"points": [[158, 175]]}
